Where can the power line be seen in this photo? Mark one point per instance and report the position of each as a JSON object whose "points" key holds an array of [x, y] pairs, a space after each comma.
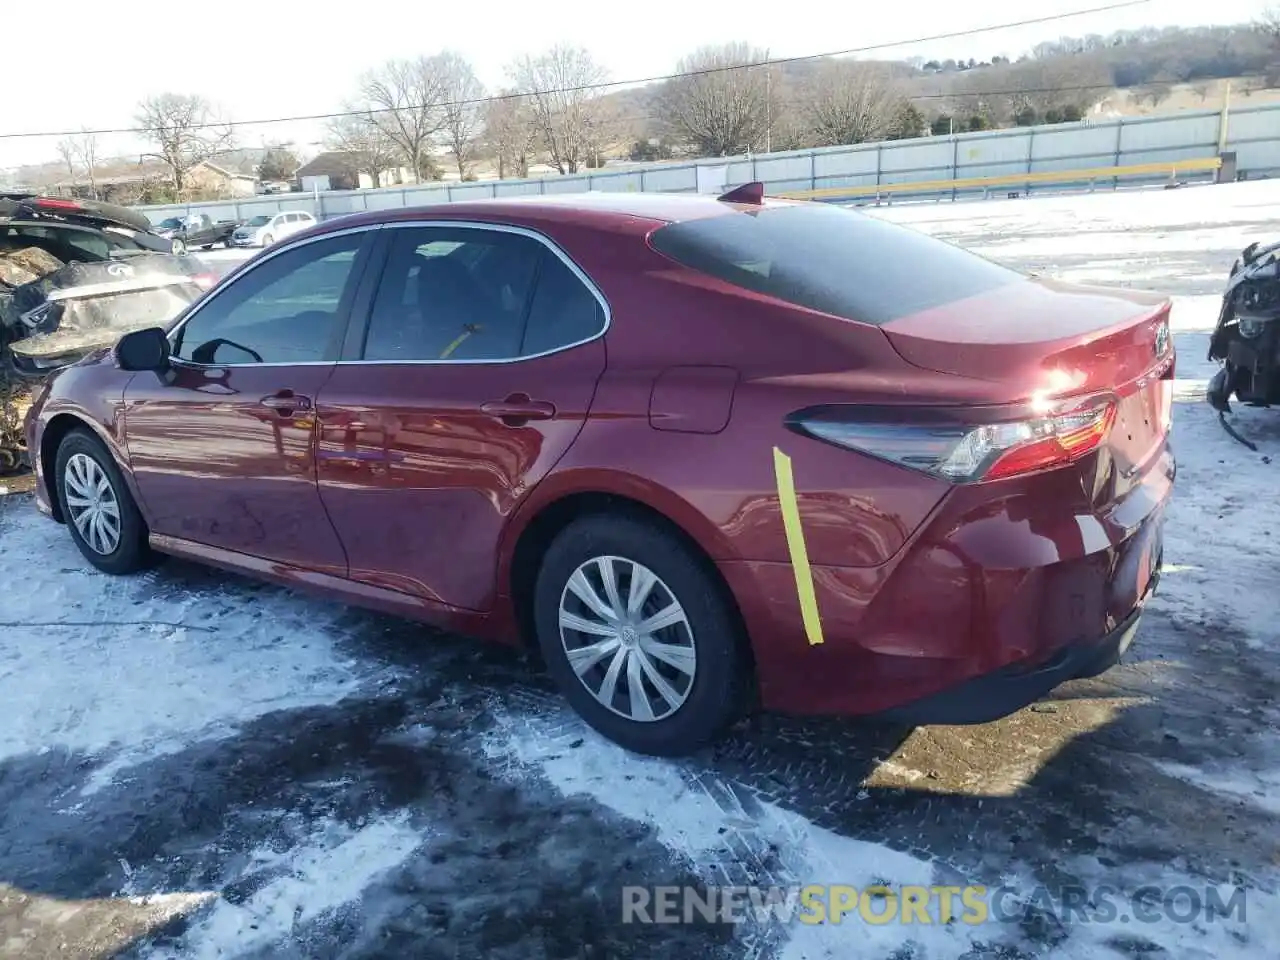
{"points": [[609, 84]]}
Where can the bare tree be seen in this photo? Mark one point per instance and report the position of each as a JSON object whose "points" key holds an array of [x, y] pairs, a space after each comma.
{"points": [[1269, 26], [562, 87], [361, 137], [604, 127], [723, 108], [1203, 89], [849, 102], [1051, 84], [463, 113], [185, 132], [405, 99], [510, 131], [84, 148], [67, 151]]}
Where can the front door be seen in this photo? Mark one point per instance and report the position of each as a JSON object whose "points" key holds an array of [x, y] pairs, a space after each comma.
{"points": [[222, 445], [477, 370]]}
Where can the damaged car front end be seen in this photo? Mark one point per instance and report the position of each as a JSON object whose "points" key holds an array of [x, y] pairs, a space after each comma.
{"points": [[74, 280], [1246, 340], [55, 320]]}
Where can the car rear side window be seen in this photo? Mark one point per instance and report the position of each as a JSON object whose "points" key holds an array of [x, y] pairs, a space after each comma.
{"points": [[831, 259], [466, 294], [563, 311]]}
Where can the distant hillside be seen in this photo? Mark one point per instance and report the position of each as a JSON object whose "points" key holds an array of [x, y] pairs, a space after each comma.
{"points": [[1128, 72], [1201, 95]]}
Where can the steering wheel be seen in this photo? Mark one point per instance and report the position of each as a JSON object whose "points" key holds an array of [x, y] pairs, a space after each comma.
{"points": [[203, 354]]}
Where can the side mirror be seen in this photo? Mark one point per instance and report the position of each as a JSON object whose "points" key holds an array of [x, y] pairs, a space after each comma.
{"points": [[143, 350]]}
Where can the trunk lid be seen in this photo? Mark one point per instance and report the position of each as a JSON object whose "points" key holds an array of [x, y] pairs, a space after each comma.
{"points": [[1027, 335], [89, 212], [1043, 338]]}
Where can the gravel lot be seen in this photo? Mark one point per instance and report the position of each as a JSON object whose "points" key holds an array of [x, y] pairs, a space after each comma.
{"points": [[195, 765]]}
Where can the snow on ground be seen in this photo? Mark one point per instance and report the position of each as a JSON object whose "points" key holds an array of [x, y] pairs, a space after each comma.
{"points": [[290, 778]]}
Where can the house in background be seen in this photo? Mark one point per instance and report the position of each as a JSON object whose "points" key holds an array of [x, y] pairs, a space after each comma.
{"points": [[213, 179], [116, 181], [337, 170], [128, 182]]}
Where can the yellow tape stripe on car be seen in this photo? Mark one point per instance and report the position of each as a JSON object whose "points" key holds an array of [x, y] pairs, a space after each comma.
{"points": [[455, 345], [795, 545]]}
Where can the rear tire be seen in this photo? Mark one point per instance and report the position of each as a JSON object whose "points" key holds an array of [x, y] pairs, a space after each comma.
{"points": [[675, 685], [89, 484]]}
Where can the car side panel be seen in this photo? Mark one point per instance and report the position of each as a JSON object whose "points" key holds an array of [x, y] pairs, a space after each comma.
{"points": [[95, 403], [856, 511]]}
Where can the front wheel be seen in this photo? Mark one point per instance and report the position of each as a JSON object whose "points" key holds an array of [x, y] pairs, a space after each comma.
{"points": [[638, 635], [267, 240], [178, 248], [100, 511]]}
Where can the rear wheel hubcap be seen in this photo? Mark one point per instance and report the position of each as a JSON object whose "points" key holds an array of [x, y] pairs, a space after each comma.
{"points": [[628, 638], [92, 503]]}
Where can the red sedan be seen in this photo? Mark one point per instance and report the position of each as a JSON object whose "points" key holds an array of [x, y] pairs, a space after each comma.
{"points": [[706, 453]]}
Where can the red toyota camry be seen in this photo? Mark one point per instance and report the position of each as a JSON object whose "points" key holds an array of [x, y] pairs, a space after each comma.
{"points": [[707, 454]]}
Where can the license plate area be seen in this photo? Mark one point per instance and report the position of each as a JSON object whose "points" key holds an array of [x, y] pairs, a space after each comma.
{"points": [[1137, 434]]}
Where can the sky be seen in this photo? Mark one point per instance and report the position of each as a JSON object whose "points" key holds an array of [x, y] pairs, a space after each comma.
{"points": [[307, 59]]}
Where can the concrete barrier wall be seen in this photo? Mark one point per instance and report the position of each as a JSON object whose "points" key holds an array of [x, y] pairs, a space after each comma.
{"points": [[1252, 131]]}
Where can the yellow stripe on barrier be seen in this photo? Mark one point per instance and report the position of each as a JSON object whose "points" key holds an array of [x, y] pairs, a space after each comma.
{"points": [[1199, 165], [795, 546]]}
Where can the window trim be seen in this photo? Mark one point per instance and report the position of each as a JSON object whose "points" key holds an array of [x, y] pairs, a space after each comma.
{"points": [[365, 248], [360, 324], [360, 313]]}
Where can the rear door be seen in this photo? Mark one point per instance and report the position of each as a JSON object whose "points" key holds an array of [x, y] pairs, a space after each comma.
{"points": [[473, 377]]}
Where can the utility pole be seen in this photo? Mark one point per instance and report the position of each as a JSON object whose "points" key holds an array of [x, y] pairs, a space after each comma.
{"points": [[768, 103], [1224, 118]]}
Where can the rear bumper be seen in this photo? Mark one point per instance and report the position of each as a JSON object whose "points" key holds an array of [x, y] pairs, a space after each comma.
{"points": [[1005, 691], [1006, 592]]}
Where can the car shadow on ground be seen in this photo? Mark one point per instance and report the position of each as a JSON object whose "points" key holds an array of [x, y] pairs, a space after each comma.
{"points": [[493, 868], [512, 868]]}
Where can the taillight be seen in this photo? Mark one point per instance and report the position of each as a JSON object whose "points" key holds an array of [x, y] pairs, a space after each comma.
{"points": [[53, 203], [952, 444]]}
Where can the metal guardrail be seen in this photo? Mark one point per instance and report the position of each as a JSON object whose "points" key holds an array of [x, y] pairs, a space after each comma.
{"points": [[1090, 175]]}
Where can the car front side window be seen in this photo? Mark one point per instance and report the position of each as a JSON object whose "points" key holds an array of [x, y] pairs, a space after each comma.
{"points": [[290, 309]]}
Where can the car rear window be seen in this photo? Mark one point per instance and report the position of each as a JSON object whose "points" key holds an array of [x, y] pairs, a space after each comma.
{"points": [[831, 259]]}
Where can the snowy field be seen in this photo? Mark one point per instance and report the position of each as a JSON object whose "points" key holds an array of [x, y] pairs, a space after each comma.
{"points": [[194, 765]]}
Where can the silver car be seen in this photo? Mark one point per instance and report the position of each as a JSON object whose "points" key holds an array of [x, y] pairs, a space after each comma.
{"points": [[266, 228]]}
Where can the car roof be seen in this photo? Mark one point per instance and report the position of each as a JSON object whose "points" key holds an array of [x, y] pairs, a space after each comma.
{"points": [[599, 209]]}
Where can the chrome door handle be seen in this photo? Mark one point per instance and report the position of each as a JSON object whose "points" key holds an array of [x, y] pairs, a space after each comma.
{"points": [[518, 409], [286, 402]]}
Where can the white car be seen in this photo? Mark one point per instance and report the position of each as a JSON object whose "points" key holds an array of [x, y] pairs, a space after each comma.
{"points": [[265, 229]]}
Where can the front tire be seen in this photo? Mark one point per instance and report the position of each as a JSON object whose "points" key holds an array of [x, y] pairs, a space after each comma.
{"points": [[103, 518], [638, 635], [267, 240], [178, 248]]}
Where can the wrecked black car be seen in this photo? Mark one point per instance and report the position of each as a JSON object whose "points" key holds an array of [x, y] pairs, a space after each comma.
{"points": [[76, 276], [1246, 340]]}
